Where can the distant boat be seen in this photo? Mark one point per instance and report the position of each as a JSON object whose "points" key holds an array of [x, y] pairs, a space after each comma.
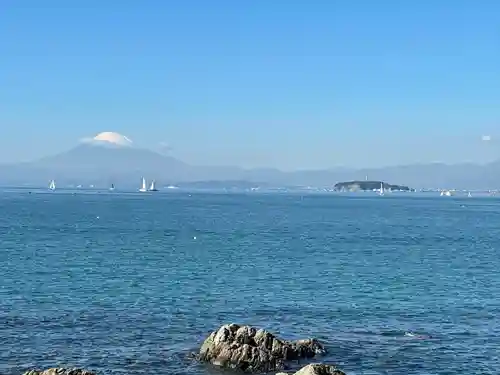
{"points": [[112, 188], [152, 187], [469, 195], [381, 191], [52, 185], [446, 193], [143, 188]]}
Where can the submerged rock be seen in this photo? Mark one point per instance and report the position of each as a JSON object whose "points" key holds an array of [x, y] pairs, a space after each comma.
{"points": [[251, 349], [319, 369], [60, 371]]}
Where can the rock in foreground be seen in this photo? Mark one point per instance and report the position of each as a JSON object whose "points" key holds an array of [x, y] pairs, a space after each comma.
{"points": [[60, 371], [317, 369], [254, 350]]}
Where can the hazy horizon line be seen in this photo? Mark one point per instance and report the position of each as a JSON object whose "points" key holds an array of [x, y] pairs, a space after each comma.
{"points": [[93, 143]]}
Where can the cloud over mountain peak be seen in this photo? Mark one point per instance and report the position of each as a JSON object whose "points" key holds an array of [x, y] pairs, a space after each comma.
{"points": [[112, 138]]}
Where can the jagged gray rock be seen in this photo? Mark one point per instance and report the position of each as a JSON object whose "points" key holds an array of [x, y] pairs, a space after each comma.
{"points": [[251, 349], [60, 371], [316, 369], [319, 369]]}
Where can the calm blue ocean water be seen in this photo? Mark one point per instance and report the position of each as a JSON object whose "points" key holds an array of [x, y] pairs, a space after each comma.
{"points": [[129, 284]]}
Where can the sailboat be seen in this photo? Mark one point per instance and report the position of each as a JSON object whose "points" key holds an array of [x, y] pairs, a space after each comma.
{"points": [[152, 187], [143, 188], [52, 185], [381, 191], [445, 193], [112, 187]]}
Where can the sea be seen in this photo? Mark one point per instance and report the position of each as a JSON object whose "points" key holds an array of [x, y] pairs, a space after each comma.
{"points": [[130, 283]]}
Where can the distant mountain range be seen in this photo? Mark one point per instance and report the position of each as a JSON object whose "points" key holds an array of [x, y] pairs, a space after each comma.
{"points": [[104, 163]]}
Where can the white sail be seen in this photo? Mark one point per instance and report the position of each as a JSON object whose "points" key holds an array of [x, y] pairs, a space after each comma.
{"points": [[153, 186], [143, 188], [381, 192], [52, 185]]}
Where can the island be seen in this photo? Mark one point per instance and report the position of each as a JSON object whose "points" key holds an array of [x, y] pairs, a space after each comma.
{"points": [[368, 185]]}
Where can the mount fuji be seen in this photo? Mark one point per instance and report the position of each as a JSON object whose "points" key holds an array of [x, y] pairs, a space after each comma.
{"points": [[108, 157], [111, 157]]}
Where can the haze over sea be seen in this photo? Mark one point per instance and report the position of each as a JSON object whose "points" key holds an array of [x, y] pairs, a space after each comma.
{"points": [[130, 283]]}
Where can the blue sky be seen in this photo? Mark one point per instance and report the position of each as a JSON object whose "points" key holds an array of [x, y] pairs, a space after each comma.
{"points": [[289, 84]]}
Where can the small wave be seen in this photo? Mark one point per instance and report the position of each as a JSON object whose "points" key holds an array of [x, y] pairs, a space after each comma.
{"points": [[417, 336], [393, 334]]}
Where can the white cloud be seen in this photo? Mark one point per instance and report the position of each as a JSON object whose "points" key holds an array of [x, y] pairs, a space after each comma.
{"points": [[109, 138], [112, 137]]}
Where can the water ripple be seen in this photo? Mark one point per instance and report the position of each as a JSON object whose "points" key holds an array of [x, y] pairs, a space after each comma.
{"points": [[131, 284]]}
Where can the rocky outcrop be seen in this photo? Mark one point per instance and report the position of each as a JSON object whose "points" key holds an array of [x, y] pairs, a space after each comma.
{"points": [[251, 349], [317, 369], [60, 371]]}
